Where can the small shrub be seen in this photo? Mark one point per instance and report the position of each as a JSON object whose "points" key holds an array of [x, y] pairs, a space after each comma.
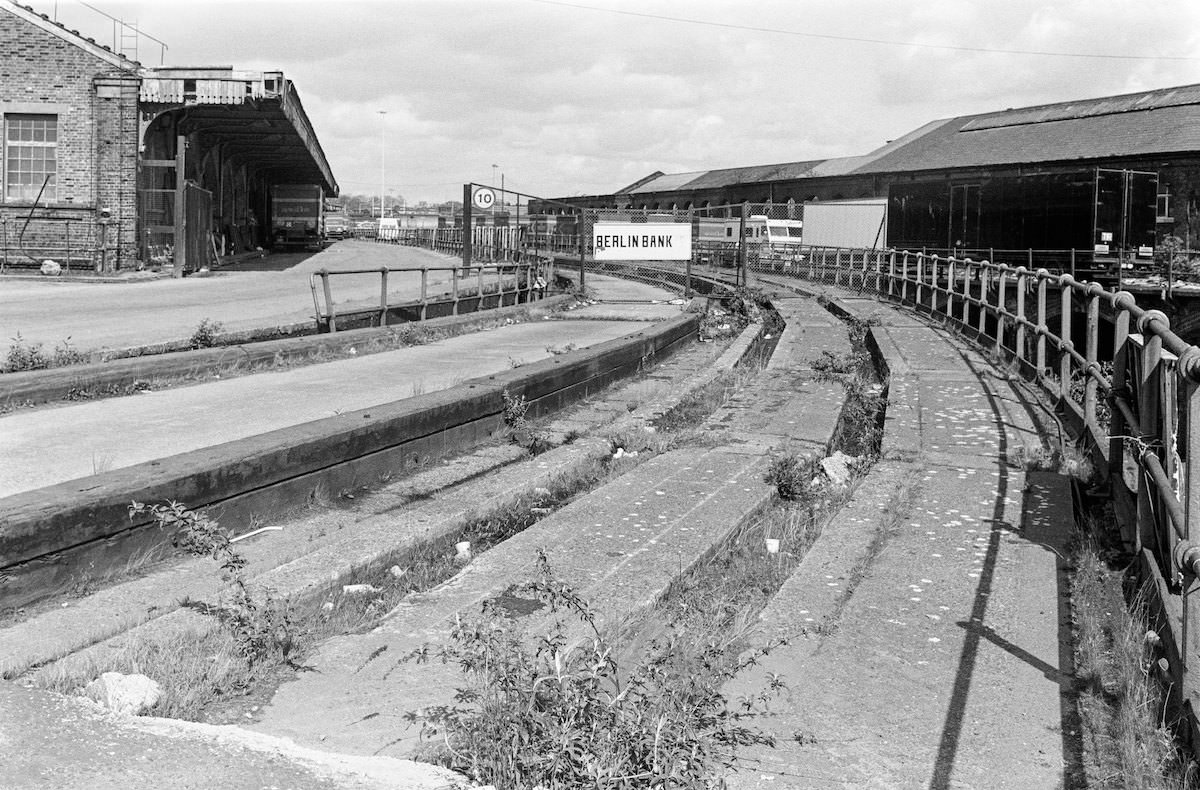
{"points": [[789, 476], [515, 410], [66, 354], [206, 334], [260, 629], [25, 357], [830, 367]]}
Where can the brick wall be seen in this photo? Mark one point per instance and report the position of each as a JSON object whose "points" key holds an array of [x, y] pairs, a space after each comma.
{"points": [[41, 72]]}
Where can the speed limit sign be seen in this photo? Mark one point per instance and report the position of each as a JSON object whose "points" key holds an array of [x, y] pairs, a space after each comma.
{"points": [[483, 198]]}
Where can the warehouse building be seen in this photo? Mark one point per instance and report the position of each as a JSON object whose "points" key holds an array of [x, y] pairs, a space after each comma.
{"points": [[108, 164], [1106, 176]]}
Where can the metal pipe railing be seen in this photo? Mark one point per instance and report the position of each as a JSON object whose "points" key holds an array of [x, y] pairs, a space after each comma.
{"points": [[1121, 378], [520, 281]]}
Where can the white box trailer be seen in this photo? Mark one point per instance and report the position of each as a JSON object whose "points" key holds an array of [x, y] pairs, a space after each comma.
{"points": [[860, 223]]}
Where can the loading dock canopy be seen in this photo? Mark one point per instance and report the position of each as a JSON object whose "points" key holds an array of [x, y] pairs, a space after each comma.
{"points": [[254, 116]]}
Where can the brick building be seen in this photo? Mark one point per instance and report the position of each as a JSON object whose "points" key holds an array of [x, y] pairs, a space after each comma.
{"points": [[109, 164], [68, 108]]}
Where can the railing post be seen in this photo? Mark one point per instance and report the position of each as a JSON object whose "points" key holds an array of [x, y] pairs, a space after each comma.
{"points": [[1022, 285], [324, 273], [383, 295], [1117, 427], [1001, 307], [454, 291], [920, 278], [934, 265], [1093, 345], [424, 291], [1040, 352], [1191, 506], [950, 283], [985, 273], [904, 277], [1064, 333], [966, 293], [892, 273]]}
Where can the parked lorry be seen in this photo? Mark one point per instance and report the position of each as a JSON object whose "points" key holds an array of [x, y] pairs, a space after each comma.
{"points": [[858, 224], [297, 212]]}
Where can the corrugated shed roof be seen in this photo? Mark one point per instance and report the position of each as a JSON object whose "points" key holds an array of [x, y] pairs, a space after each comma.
{"points": [[665, 182], [1144, 124], [1150, 123], [714, 179]]}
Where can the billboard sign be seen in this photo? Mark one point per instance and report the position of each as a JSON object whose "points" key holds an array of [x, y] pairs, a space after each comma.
{"points": [[642, 241]]}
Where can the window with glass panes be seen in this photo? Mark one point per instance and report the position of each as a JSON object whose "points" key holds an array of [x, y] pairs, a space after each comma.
{"points": [[30, 157]]}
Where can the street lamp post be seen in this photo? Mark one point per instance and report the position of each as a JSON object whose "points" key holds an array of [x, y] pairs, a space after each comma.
{"points": [[382, 159]]}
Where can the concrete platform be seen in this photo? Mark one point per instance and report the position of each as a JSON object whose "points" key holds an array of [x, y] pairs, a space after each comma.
{"points": [[55, 444], [123, 314], [929, 639]]}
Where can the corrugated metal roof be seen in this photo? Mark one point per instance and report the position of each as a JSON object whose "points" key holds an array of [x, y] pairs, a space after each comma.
{"points": [[1165, 130], [715, 179], [1088, 108], [1150, 123], [665, 182]]}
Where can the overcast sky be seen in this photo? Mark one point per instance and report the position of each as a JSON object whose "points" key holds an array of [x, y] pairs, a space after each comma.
{"points": [[586, 97]]}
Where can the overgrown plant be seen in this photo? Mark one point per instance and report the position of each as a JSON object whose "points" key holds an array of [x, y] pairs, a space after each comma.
{"points": [[859, 430], [22, 356], [33, 356], [789, 476], [515, 415], [206, 333], [260, 628], [562, 713], [1126, 734]]}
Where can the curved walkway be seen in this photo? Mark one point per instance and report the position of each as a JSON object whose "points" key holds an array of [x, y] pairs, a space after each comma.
{"points": [[929, 634]]}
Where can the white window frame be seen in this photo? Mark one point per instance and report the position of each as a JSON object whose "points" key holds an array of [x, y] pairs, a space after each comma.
{"points": [[1164, 201], [51, 194]]}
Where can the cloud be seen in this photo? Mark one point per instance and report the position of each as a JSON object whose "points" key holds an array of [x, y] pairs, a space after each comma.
{"points": [[568, 100]]}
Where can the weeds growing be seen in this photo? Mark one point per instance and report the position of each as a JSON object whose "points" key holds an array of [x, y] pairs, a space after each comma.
{"points": [[206, 334], [565, 713], [33, 356], [1127, 739]]}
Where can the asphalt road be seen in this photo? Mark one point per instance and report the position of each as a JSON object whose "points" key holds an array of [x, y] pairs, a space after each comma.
{"points": [[122, 314]]}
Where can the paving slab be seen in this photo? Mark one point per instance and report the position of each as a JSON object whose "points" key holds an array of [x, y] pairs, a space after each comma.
{"points": [[52, 742]]}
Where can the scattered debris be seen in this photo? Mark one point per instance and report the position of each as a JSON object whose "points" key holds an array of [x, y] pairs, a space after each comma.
{"points": [[359, 589]]}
